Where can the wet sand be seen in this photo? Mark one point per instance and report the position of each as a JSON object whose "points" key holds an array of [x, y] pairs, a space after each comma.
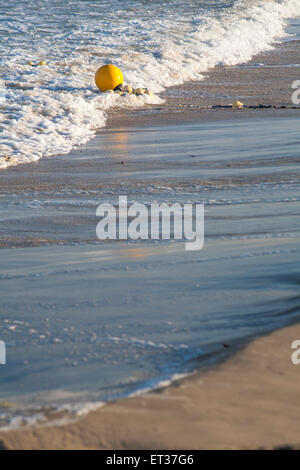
{"points": [[249, 402], [210, 410], [251, 83], [191, 102]]}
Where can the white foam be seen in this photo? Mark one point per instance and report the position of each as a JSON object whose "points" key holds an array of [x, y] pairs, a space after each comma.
{"points": [[51, 109], [29, 417]]}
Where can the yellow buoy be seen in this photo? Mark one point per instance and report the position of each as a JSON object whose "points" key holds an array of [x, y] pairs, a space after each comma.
{"points": [[237, 105], [30, 63], [108, 77]]}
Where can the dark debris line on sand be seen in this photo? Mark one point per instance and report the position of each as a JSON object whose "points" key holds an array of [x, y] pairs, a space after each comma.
{"points": [[260, 106]]}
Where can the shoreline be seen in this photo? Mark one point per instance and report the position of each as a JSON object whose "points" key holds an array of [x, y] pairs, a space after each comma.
{"points": [[148, 431], [203, 101], [267, 84], [187, 103], [208, 410]]}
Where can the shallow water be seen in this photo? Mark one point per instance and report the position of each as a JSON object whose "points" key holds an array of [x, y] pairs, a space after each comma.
{"points": [[85, 321], [51, 109]]}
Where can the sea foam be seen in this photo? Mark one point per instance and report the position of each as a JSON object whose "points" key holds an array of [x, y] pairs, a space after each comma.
{"points": [[51, 109]]}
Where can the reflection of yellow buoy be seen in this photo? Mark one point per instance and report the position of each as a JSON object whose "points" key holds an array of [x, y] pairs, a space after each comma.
{"points": [[108, 77], [42, 62], [127, 89], [237, 105], [6, 404]]}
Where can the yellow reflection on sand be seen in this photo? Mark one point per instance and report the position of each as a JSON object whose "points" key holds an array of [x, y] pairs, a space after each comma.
{"points": [[119, 145]]}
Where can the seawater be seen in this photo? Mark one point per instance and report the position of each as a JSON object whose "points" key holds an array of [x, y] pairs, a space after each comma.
{"points": [[51, 109]]}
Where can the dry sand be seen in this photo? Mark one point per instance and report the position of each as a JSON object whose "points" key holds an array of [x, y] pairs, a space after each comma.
{"points": [[249, 402]]}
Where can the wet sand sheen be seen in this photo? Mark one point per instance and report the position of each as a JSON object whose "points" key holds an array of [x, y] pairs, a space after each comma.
{"points": [[252, 194], [249, 402]]}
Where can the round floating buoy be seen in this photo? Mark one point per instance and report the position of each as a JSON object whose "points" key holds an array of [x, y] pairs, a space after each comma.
{"points": [[108, 77], [30, 63]]}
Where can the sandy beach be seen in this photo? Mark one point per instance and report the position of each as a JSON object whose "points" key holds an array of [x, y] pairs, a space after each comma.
{"points": [[248, 402], [244, 165], [265, 80]]}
